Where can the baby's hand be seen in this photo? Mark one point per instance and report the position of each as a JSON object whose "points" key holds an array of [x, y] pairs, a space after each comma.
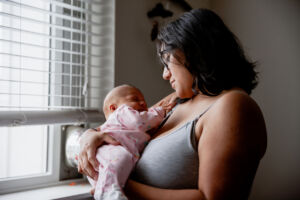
{"points": [[168, 102], [167, 106]]}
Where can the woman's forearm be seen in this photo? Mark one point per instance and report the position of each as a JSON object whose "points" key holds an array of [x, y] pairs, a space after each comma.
{"points": [[135, 190]]}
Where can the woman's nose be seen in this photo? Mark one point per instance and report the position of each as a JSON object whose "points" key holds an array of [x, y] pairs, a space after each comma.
{"points": [[166, 74]]}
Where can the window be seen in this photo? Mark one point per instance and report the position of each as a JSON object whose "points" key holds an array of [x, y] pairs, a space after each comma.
{"points": [[55, 56]]}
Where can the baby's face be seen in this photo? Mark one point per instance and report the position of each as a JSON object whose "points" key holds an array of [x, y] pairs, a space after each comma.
{"points": [[135, 99]]}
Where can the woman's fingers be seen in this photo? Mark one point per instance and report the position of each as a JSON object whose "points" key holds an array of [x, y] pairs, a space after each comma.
{"points": [[80, 162], [92, 148], [86, 168], [79, 167], [91, 157], [89, 171], [89, 142], [86, 146], [83, 165]]}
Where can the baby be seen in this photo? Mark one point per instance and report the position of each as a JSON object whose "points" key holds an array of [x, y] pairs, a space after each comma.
{"points": [[128, 120]]}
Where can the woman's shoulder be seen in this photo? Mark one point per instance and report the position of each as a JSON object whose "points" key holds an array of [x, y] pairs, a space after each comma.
{"points": [[237, 116], [236, 101], [233, 102]]}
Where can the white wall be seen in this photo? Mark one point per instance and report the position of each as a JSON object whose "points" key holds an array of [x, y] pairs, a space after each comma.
{"points": [[270, 33], [136, 61]]}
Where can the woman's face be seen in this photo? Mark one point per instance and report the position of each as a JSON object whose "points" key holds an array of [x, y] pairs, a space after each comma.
{"points": [[181, 80]]}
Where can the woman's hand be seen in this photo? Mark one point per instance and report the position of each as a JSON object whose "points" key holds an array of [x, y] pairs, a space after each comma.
{"points": [[89, 142]]}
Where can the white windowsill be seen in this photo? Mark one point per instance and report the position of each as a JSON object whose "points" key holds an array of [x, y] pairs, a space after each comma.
{"points": [[53, 192]]}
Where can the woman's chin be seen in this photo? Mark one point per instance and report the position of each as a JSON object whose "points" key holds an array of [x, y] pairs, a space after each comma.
{"points": [[184, 95]]}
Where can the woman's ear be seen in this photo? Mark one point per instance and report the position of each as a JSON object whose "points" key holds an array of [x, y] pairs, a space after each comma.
{"points": [[112, 107]]}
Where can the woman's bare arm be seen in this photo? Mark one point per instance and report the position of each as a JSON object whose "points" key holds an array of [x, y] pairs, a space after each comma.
{"points": [[232, 143], [138, 191]]}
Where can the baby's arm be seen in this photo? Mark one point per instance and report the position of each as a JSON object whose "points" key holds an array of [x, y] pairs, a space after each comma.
{"points": [[152, 118], [144, 121]]}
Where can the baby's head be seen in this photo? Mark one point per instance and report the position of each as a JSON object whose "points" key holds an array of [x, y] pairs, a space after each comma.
{"points": [[124, 94]]}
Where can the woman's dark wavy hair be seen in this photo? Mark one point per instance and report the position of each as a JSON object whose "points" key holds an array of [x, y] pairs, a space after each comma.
{"points": [[213, 53]]}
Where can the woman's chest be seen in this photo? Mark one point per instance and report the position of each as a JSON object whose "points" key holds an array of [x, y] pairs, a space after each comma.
{"points": [[181, 116], [173, 122], [170, 161]]}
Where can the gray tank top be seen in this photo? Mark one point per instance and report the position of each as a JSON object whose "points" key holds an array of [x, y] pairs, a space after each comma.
{"points": [[171, 161]]}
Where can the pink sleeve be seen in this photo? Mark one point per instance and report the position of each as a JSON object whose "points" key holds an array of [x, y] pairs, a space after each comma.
{"points": [[153, 117], [128, 117], [141, 120]]}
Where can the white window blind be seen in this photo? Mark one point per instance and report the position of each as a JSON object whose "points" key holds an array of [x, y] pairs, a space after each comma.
{"points": [[56, 65], [55, 54]]}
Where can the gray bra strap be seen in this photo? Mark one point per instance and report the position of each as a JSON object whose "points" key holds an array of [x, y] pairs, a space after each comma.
{"points": [[197, 118], [166, 118], [193, 134]]}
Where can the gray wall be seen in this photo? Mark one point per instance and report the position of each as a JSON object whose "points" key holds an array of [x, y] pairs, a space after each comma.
{"points": [[135, 55], [270, 33]]}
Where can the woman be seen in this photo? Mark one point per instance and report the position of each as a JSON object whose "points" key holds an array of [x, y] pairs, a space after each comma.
{"points": [[211, 143]]}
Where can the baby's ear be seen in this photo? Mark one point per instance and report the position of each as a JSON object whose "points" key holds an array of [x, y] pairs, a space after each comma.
{"points": [[113, 107]]}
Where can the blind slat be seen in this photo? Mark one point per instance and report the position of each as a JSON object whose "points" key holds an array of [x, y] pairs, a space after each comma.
{"points": [[102, 50], [104, 8], [106, 40], [55, 55], [54, 25], [50, 60], [53, 84], [40, 95], [50, 73]]}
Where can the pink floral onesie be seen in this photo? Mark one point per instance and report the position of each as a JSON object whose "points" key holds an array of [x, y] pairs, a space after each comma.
{"points": [[129, 127]]}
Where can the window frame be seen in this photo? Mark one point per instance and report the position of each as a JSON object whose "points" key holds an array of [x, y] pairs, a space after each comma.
{"points": [[55, 167], [55, 140], [51, 176]]}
